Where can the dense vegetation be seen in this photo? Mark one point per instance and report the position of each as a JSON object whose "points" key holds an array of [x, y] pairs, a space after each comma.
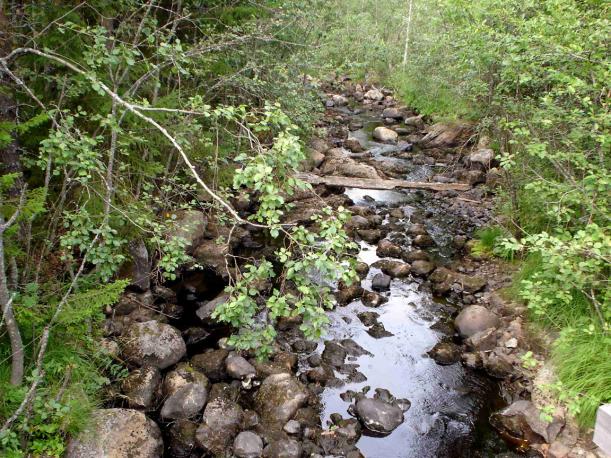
{"points": [[534, 75], [118, 117]]}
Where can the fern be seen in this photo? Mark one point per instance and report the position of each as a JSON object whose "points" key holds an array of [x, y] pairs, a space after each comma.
{"points": [[86, 305]]}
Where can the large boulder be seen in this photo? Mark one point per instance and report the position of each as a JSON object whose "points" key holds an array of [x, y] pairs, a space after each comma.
{"points": [[184, 374], [186, 402], [446, 279], [205, 311], [446, 135], [115, 433], [152, 343], [248, 445], [220, 425], [523, 420], [211, 254], [474, 319], [378, 416], [212, 364], [140, 387], [385, 135], [279, 398], [348, 168], [191, 226]]}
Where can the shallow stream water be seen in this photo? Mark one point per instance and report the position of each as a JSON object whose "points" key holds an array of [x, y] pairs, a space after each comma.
{"points": [[449, 404]]}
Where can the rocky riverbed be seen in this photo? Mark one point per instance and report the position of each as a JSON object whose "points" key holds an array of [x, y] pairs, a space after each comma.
{"points": [[423, 357]]}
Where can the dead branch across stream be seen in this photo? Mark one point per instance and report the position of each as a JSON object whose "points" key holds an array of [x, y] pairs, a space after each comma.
{"points": [[379, 183]]}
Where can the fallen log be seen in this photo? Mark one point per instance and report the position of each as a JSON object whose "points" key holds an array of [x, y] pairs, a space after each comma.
{"points": [[379, 183]]}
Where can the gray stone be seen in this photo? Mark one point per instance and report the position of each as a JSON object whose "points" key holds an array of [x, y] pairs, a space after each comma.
{"points": [[247, 445], [185, 402], [378, 416], [117, 433], [279, 397], [205, 312], [385, 135], [284, 448], [221, 422], [140, 386], [422, 268], [212, 364], [152, 343], [445, 353], [238, 368], [380, 282], [184, 374], [334, 353], [474, 319]]}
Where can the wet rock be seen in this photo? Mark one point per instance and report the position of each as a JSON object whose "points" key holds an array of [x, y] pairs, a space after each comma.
{"points": [[423, 240], [385, 135], [182, 438], [357, 222], [474, 319], [117, 433], [415, 255], [140, 386], [523, 420], [279, 398], [396, 269], [225, 391], [220, 425], [238, 368], [186, 402], [368, 318], [348, 294], [287, 359], [152, 343], [422, 268], [320, 374], [304, 346], [354, 145], [370, 235], [284, 448], [362, 269], [373, 299], [349, 429], [446, 280], [184, 374], [380, 282], [334, 353], [212, 364], [378, 331], [388, 249], [205, 311], [314, 360], [247, 445], [445, 353], [353, 348], [378, 416]]}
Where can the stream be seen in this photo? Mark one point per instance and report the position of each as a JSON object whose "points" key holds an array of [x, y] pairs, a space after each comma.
{"points": [[450, 404]]}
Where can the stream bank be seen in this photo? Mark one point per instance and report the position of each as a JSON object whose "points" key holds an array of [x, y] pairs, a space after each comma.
{"points": [[418, 357]]}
